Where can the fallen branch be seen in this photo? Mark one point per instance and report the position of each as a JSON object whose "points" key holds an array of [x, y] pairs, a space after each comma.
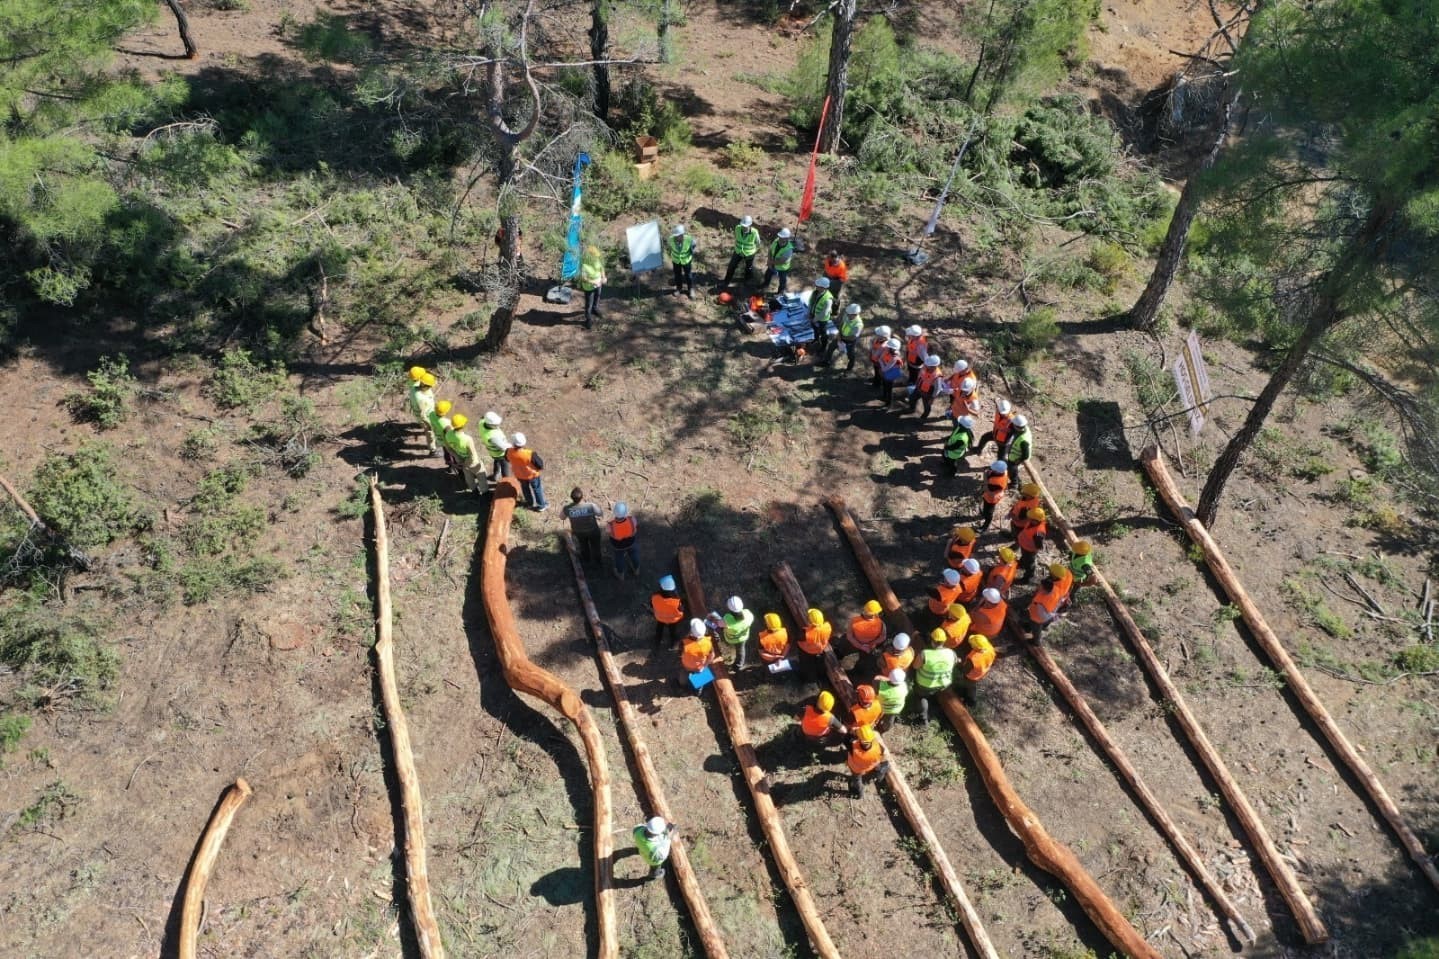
{"points": [[1368, 597], [759, 785], [1279, 657], [198, 875], [417, 875], [524, 676], [689, 883]]}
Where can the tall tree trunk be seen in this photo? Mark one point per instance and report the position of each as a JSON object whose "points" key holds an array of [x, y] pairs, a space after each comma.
{"points": [[599, 52], [507, 295], [841, 39], [663, 23], [183, 22], [979, 61]]}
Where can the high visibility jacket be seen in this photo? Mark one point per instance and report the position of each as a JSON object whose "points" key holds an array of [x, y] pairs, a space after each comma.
{"points": [[897, 660], [463, 446], [941, 597], [862, 760], [422, 401], [865, 715], [439, 425], [682, 250], [523, 463], [970, 585], [916, 349], [961, 405], [495, 440], [890, 366], [956, 629], [1003, 426], [928, 380], [1081, 566], [696, 652], [667, 606], [836, 269], [773, 644], [891, 697], [622, 532], [866, 633], [814, 723], [987, 620], [821, 307], [1021, 445], [936, 668], [1050, 599], [816, 638], [746, 241], [654, 850], [877, 349], [737, 627], [592, 273], [994, 487], [956, 553], [1000, 576], [1021, 506], [781, 255], [958, 445], [979, 661], [1031, 537], [851, 326]]}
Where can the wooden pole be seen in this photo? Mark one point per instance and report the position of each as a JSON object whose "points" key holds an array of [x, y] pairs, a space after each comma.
{"points": [[759, 784], [689, 883], [183, 23], [909, 805], [1279, 657], [1043, 851], [198, 876], [417, 874], [524, 676]]}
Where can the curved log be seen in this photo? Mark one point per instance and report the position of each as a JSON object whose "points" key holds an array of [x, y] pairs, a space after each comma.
{"points": [[1279, 657], [679, 860], [908, 802], [755, 778], [524, 676], [198, 876], [417, 874], [1053, 857]]}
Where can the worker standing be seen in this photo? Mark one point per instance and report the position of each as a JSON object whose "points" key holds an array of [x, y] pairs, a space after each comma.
{"points": [[738, 622], [669, 610], [987, 615], [422, 402], [584, 519], [971, 581], [866, 710], [977, 663], [1081, 563], [956, 626], [960, 372], [781, 258], [746, 245], [681, 248], [821, 311], [899, 655], [1000, 576], [653, 842], [818, 723], [439, 423], [1050, 600], [866, 632], [773, 640], [526, 466], [1019, 511], [916, 348], [964, 401], [592, 281], [815, 640], [1002, 427], [891, 370], [467, 453], [624, 545], [892, 689], [935, 671], [866, 759], [994, 486], [925, 387], [696, 653], [837, 270], [850, 329], [1031, 541], [960, 442], [944, 593], [960, 547], [1019, 448], [877, 346], [496, 443]]}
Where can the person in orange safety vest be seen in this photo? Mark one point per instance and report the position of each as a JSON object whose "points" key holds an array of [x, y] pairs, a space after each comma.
{"points": [[818, 723], [1000, 576], [773, 640], [1050, 600], [916, 348], [669, 611], [1031, 540], [697, 652], [945, 593], [996, 481], [878, 344], [866, 760], [986, 617], [837, 270], [926, 385], [960, 546], [975, 666], [526, 466], [1002, 429], [971, 580], [1019, 511], [866, 709], [866, 631], [623, 532], [955, 626], [898, 655]]}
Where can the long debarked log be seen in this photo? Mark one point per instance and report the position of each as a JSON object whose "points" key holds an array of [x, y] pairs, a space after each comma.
{"points": [[417, 874], [204, 863], [909, 805], [1280, 658], [524, 676], [755, 778], [1053, 857], [679, 860]]}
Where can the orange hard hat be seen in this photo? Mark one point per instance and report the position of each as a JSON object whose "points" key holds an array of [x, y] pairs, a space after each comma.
{"points": [[865, 694], [726, 297]]}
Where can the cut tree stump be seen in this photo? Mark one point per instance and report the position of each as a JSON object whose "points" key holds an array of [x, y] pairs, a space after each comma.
{"points": [[689, 883], [754, 776], [909, 805], [198, 876], [1279, 657], [417, 875], [524, 676], [1053, 857]]}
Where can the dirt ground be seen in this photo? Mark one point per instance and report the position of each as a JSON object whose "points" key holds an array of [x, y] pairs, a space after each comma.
{"points": [[669, 407]]}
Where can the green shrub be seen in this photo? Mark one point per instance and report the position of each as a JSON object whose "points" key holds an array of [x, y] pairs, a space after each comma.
{"points": [[217, 522], [205, 579], [79, 495], [288, 441], [1111, 262], [240, 382], [12, 727], [1038, 330], [112, 390], [329, 37], [743, 155], [615, 189], [53, 648], [200, 444], [1418, 659], [639, 110], [1420, 949]]}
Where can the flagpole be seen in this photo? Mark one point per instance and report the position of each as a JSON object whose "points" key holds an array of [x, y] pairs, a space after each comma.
{"points": [[806, 202], [915, 255]]}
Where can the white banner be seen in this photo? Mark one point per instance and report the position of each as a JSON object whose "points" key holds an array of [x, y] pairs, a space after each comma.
{"points": [[644, 244]]}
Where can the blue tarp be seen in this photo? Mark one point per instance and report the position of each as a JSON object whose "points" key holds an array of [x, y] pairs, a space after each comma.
{"points": [[571, 267]]}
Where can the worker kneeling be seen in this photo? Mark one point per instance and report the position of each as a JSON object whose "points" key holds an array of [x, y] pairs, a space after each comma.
{"points": [[1050, 600], [867, 760], [934, 672], [977, 663]]}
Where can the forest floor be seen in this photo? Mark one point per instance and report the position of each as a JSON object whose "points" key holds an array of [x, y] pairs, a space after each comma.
{"points": [[668, 406]]}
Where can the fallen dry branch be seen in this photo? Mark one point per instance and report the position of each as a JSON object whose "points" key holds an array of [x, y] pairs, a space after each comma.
{"points": [[1053, 857], [417, 875], [909, 805], [524, 676], [1280, 659], [679, 860], [198, 876], [755, 778]]}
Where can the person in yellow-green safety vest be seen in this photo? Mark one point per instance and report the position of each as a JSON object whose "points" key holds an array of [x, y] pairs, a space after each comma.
{"points": [[592, 280], [850, 330], [821, 310], [421, 400], [738, 622], [746, 245], [496, 443], [934, 671], [439, 422], [781, 258], [467, 453], [652, 839], [681, 248]]}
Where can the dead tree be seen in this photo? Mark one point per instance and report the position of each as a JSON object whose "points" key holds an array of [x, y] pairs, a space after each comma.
{"points": [[600, 11]]}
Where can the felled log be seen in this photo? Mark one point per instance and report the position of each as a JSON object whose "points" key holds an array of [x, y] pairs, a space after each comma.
{"points": [[524, 676], [756, 779], [1279, 657], [630, 724], [198, 876], [909, 805], [417, 875], [1053, 857]]}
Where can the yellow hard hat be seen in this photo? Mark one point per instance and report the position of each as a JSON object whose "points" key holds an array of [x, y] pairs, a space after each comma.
{"points": [[979, 641], [771, 620], [938, 636], [417, 373], [428, 379], [1082, 547], [1030, 489], [825, 702], [1006, 554], [865, 735], [955, 610], [815, 617], [1037, 514], [459, 421], [872, 607], [1057, 570], [965, 534], [443, 407]]}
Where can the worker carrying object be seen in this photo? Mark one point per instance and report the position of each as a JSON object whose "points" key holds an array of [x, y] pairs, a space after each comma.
{"points": [[934, 671], [735, 630], [821, 312], [960, 442], [773, 640], [977, 662], [1050, 600], [995, 483], [960, 546], [746, 245], [818, 723], [592, 281], [681, 250], [781, 258], [669, 611], [891, 689], [1020, 447], [584, 519], [496, 443], [837, 270], [986, 617], [1000, 576], [1019, 510], [926, 385], [624, 541], [955, 625], [438, 420], [847, 343], [467, 453], [652, 839], [697, 651], [916, 350], [1031, 540], [866, 632], [526, 466], [1001, 429], [877, 346], [421, 400], [867, 760], [899, 655], [971, 580]]}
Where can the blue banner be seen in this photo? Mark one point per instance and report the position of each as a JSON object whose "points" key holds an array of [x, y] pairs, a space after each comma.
{"points": [[571, 267]]}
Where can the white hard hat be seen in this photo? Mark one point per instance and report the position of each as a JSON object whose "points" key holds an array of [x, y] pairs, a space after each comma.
{"points": [[896, 676], [998, 466], [698, 628], [679, 230], [852, 309], [991, 596], [621, 510], [961, 366], [970, 566], [882, 332], [893, 343], [967, 384], [951, 576], [493, 419], [1020, 422], [915, 330], [901, 641], [1003, 406], [656, 826], [746, 221], [735, 604], [967, 422], [932, 361], [519, 439], [784, 234], [822, 283]]}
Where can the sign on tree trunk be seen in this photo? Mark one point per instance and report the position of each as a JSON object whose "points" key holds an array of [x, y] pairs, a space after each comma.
{"points": [[1191, 378]]}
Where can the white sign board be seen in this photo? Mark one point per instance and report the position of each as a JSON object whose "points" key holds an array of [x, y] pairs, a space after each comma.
{"points": [[1191, 378], [644, 244]]}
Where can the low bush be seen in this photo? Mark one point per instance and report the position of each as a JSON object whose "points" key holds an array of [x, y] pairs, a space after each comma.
{"points": [[616, 189], [639, 110], [52, 648], [743, 155], [112, 390], [13, 726], [239, 382], [80, 496]]}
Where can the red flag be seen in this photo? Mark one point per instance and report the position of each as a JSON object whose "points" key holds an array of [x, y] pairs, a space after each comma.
{"points": [[806, 200]]}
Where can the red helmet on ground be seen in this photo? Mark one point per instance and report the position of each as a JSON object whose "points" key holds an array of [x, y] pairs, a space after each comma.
{"points": [[726, 297]]}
